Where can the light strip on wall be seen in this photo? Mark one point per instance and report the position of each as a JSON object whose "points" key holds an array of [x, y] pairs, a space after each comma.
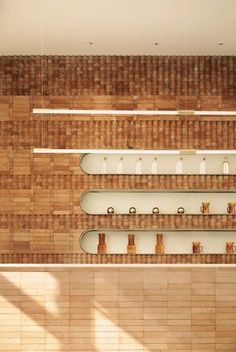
{"points": [[103, 151], [133, 112], [132, 151]]}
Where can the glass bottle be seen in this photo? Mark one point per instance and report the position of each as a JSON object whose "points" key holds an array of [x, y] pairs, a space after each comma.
{"points": [[103, 165], [179, 166], [154, 166], [138, 166], [202, 167], [120, 166], [225, 166]]}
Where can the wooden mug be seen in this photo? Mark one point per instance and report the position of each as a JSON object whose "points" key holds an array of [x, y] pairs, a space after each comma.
{"points": [[230, 248], [131, 248], [101, 243], [197, 247], [231, 209], [160, 245], [204, 208]]}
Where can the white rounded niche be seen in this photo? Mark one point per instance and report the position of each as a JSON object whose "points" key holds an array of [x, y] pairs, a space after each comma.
{"points": [[168, 202], [163, 164], [175, 242]]}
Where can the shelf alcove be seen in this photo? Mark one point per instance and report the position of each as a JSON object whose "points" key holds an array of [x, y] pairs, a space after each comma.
{"points": [[158, 164], [98, 201], [175, 241]]}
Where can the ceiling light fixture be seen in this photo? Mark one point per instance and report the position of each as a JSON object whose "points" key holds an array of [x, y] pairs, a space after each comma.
{"points": [[133, 112], [133, 151]]}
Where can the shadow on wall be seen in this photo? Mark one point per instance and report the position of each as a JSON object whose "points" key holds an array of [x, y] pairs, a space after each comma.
{"points": [[117, 309]]}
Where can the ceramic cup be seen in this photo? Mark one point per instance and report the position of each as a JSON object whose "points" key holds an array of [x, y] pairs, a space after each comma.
{"points": [[230, 248], [231, 209], [197, 247], [204, 208]]}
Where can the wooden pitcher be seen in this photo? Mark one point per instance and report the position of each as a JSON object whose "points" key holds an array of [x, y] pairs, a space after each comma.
{"points": [[204, 208], [160, 244], [231, 209], [230, 248], [131, 248], [197, 247], [101, 248]]}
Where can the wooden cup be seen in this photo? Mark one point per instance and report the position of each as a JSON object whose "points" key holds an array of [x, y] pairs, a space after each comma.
{"points": [[231, 209], [204, 208], [160, 244], [230, 248], [101, 248], [131, 248], [197, 248]]}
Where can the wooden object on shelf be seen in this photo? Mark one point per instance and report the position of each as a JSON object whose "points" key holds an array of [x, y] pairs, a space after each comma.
{"points": [[160, 244], [101, 243], [231, 209], [205, 207], [230, 248], [131, 248], [197, 248]]}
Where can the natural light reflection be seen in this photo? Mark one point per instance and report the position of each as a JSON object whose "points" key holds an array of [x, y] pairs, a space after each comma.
{"points": [[109, 335]]}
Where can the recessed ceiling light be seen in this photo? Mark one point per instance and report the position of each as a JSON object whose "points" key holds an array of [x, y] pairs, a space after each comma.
{"points": [[220, 43]]}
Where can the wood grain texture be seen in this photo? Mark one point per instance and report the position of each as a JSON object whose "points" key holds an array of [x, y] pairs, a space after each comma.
{"points": [[40, 194], [118, 75]]}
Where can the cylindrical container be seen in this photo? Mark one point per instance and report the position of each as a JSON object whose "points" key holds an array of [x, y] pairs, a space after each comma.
{"points": [[131, 248], [230, 248], [160, 244], [197, 247], [231, 209], [204, 208], [101, 243]]}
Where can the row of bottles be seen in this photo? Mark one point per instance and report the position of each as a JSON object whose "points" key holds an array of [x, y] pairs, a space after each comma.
{"points": [[204, 208], [197, 248], [154, 166]]}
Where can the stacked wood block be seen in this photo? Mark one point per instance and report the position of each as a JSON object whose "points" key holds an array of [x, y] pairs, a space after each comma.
{"points": [[40, 210], [118, 75]]}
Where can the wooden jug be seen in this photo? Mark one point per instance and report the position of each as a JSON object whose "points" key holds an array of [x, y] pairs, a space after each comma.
{"points": [[205, 207], [131, 248], [230, 248], [197, 248], [231, 209], [160, 244], [101, 243]]}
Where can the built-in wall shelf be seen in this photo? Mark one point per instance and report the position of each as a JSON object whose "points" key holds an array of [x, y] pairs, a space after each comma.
{"points": [[175, 241], [158, 164], [158, 202]]}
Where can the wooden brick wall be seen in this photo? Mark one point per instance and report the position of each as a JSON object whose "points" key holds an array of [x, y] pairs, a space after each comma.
{"points": [[40, 194], [118, 75], [158, 309]]}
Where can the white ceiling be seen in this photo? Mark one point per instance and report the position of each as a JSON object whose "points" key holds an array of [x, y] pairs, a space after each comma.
{"points": [[117, 27]]}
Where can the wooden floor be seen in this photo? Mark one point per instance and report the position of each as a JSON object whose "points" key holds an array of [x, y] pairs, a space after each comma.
{"points": [[118, 309]]}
